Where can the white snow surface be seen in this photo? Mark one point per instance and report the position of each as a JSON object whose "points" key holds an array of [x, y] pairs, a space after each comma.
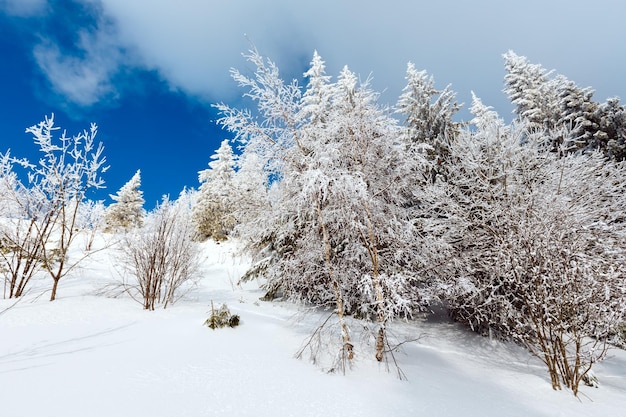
{"points": [[88, 354]]}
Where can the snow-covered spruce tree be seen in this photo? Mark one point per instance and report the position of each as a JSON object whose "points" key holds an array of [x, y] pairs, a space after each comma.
{"points": [[251, 188], [48, 203], [611, 119], [214, 207], [530, 90], [161, 257], [577, 117], [429, 114], [337, 227], [540, 246], [564, 112], [127, 212], [9, 205]]}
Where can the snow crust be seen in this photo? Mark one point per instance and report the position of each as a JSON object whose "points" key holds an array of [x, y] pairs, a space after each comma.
{"points": [[87, 354]]}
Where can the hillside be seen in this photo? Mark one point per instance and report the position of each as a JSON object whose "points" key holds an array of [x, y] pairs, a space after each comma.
{"points": [[90, 354]]}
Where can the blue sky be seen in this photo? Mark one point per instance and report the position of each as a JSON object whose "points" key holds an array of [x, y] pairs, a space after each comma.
{"points": [[147, 71]]}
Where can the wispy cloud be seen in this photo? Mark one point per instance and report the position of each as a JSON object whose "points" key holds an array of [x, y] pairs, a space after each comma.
{"points": [[85, 78]]}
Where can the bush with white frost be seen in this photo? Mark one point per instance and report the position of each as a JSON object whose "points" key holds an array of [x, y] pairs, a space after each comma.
{"points": [[44, 207], [540, 244], [160, 260]]}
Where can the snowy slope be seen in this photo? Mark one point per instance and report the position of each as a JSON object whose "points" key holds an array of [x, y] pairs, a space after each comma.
{"points": [[91, 355]]}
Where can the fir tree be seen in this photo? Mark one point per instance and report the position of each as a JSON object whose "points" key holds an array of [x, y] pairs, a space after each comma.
{"points": [[213, 209], [562, 112], [429, 114], [611, 119], [127, 212], [577, 114], [529, 89]]}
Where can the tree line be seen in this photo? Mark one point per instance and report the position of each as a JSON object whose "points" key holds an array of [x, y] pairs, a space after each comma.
{"points": [[375, 213]]}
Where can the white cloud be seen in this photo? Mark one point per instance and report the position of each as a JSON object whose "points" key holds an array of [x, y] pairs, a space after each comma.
{"points": [[193, 43], [88, 78]]}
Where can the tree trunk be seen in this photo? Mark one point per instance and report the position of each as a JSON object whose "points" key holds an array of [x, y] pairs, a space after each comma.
{"points": [[348, 347], [53, 296], [371, 245]]}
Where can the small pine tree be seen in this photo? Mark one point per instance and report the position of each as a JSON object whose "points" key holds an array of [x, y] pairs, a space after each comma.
{"points": [[127, 211], [212, 213], [531, 90], [429, 114], [611, 117]]}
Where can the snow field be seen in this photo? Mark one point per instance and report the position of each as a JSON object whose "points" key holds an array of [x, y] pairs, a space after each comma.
{"points": [[86, 354]]}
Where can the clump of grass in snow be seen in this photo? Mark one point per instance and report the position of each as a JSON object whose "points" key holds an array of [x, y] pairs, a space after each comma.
{"points": [[221, 317]]}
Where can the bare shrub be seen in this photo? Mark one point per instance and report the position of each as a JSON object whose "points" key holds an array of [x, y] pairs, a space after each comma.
{"points": [[161, 256]]}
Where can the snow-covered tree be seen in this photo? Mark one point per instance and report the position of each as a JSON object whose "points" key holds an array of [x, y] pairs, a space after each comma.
{"points": [[539, 246], [9, 207], [611, 119], [214, 207], [530, 90], [577, 117], [127, 212], [564, 112], [90, 220], [429, 114], [335, 232], [49, 201], [20, 247], [252, 188]]}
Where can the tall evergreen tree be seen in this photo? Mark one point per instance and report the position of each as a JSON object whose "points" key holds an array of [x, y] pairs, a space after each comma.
{"points": [[611, 119], [577, 116], [530, 90], [429, 117]]}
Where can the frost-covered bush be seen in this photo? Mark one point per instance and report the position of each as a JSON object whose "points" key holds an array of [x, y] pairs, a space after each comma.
{"points": [[45, 201], [540, 246], [161, 257]]}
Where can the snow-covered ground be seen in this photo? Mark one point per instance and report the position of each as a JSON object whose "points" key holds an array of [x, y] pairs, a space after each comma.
{"points": [[88, 355]]}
